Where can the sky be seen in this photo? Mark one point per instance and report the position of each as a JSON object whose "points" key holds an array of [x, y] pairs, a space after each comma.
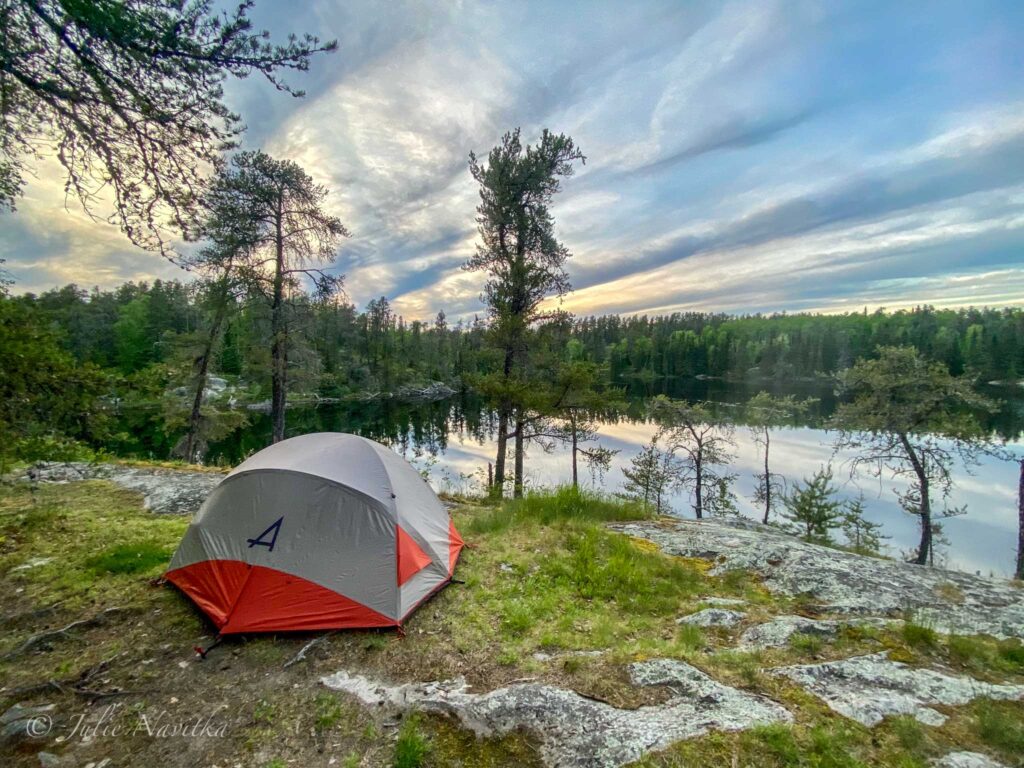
{"points": [[741, 156]]}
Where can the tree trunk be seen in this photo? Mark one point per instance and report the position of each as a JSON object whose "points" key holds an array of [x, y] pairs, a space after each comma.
{"points": [[767, 478], [1020, 523], [517, 491], [498, 487], [698, 495], [279, 342], [575, 470], [195, 417], [925, 506]]}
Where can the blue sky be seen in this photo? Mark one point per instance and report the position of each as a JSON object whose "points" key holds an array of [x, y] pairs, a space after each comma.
{"points": [[742, 157]]}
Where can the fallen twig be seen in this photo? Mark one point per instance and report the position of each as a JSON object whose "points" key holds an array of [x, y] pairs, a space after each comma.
{"points": [[33, 641], [301, 655]]}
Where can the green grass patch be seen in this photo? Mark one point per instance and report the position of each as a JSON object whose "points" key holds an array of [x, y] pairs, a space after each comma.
{"points": [[411, 746], [999, 725], [550, 506], [919, 636], [130, 558], [690, 637], [603, 566]]}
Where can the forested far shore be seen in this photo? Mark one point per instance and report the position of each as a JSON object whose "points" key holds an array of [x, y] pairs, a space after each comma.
{"points": [[145, 335]]}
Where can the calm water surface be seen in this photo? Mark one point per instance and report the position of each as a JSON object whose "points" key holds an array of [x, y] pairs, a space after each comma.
{"points": [[453, 441]]}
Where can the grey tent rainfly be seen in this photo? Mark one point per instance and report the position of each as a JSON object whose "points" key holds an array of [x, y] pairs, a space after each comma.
{"points": [[321, 531]]}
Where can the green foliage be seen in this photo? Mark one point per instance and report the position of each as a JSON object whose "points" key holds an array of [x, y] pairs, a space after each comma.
{"points": [[329, 711], [806, 643], [411, 747], [524, 263], [984, 654], [645, 352], [910, 416], [690, 637], [130, 558], [814, 508], [908, 731], [821, 746], [607, 567], [704, 442], [45, 394]]}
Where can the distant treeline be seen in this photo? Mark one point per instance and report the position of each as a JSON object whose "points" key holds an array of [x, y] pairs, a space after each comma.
{"points": [[986, 343], [142, 330]]}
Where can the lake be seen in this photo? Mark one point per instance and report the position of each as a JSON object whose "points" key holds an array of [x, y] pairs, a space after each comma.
{"points": [[453, 440]]}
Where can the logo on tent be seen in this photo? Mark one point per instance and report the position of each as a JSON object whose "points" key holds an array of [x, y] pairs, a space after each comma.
{"points": [[259, 540]]}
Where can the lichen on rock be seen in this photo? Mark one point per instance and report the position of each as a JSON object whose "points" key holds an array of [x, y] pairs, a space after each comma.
{"points": [[781, 629]]}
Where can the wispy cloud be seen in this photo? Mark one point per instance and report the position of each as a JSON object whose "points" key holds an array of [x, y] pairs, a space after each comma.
{"points": [[751, 156]]}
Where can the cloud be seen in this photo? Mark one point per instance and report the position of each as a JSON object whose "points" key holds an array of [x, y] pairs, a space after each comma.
{"points": [[747, 156]]}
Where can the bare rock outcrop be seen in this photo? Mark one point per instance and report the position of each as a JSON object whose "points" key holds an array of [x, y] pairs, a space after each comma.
{"points": [[966, 760], [164, 491], [782, 629], [574, 730], [713, 617], [869, 688], [844, 583]]}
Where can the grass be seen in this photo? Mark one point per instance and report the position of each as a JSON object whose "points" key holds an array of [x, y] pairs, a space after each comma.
{"points": [[1000, 726], [546, 507], [130, 558], [411, 746], [919, 636]]}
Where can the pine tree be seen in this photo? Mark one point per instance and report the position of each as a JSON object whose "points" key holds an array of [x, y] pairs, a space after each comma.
{"points": [[814, 508], [862, 536], [524, 262], [651, 476]]}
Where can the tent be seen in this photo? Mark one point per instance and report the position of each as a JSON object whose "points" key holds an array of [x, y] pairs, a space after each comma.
{"points": [[322, 531]]}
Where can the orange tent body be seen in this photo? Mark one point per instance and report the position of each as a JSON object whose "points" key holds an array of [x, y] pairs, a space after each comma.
{"points": [[322, 531]]}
